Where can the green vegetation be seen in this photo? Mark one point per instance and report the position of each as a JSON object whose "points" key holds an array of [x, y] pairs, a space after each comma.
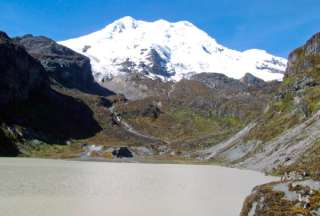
{"points": [[312, 97], [309, 162], [179, 124], [273, 203], [53, 151], [272, 125]]}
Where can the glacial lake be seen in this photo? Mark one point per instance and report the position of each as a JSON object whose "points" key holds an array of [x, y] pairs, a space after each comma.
{"points": [[39, 187]]}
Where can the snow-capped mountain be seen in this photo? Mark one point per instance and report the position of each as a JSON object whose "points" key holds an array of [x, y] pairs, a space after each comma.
{"points": [[171, 51]]}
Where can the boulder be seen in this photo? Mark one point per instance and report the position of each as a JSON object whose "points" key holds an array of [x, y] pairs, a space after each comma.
{"points": [[122, 152]]}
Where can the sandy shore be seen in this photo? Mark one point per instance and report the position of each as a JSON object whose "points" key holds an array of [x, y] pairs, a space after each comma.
{"points": [[37, 187]]}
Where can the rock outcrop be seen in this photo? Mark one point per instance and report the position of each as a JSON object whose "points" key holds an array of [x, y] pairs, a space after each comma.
{"points": [[22, 78], [21, 75], [7, 146], [252, 81], [63, 65], [220, 82], [122, 152], [306, 57], [296, 198], [28, 102]]}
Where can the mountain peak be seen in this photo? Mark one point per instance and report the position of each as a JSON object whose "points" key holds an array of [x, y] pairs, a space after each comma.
{"points": [[170, 51], [4, 37], [123, 23], [126, 19]]}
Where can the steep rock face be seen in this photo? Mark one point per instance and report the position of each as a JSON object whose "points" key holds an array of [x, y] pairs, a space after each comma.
{"points": [[70, 69], [21, 75], [31, 108], [7, 145], [305, 60], [158, 64], [252, 81], [22, 78], [312, 46], [287, 133]]}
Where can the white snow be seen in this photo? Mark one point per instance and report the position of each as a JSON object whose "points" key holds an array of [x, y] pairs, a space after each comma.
{"points": [[184, 49]]}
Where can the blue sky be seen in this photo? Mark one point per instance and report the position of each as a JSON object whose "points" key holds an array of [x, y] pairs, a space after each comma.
{"points": [[277, 26]]}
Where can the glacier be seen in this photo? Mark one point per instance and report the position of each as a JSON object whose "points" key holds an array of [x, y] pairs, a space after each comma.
{"points": [[170, 51]]}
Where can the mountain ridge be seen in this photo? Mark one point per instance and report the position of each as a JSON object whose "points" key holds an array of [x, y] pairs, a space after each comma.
{"points": [[170, 51]]}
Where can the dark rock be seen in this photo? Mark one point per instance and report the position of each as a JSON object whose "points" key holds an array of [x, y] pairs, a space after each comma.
{"points": [[303, 83], [4, 37], [64, 65], [158, 65], [151, 111], [70, 69], [7, 147], [219, 81], [252, 81], [54, 118], [312, 46], [21, 75], [86, 48], [104, 102], [84, 145], [28, 101], [122, 152], [127, 66]]}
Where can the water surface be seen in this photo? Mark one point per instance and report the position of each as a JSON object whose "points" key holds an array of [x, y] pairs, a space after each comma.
{"points": [[37, 187]]}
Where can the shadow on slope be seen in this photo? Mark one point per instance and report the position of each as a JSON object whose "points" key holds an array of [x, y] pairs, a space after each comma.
{"points": [[54, 118]]}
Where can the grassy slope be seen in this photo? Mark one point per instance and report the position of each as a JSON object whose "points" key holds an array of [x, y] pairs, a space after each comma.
{"points": [[299, 99], [296, 101], [194, 116]]}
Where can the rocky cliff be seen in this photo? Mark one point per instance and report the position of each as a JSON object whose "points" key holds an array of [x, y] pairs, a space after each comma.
{"points": [[21, 75], [63, 65], [289, 127], [31, 108], [289, 137]]}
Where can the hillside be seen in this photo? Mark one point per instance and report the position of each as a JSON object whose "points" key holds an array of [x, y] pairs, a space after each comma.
{"points": [[288, 130], [246, 122], [49, 100], [286, 140], [199, 112]]}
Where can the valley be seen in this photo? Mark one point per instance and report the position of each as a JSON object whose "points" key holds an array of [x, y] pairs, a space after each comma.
{"points": [[88, 97]]}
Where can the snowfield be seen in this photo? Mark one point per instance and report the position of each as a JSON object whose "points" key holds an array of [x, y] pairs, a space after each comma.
{"points": [[173, 51]]}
